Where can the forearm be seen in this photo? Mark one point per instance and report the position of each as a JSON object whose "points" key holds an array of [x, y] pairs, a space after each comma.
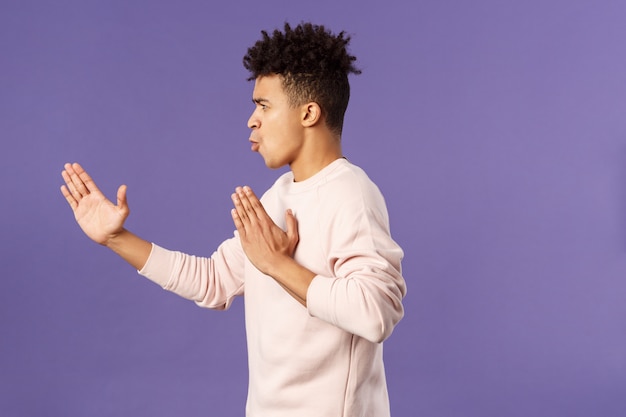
{"points": [[131, 248], [211, 282], [293, 277]]}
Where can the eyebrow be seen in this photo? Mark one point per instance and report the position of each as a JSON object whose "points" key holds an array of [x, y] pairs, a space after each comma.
{"points": [[260, 100]]}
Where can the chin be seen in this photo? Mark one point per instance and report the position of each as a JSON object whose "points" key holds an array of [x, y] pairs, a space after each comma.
{"points": [[274, 164]]}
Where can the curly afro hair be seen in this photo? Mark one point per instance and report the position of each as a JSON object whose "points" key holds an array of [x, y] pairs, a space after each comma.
{"points": [[314, 65]]}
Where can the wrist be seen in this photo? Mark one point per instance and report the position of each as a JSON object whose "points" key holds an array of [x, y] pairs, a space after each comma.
{"points": [[114, 239], [280, 266], [130, 247], [292, 276]]}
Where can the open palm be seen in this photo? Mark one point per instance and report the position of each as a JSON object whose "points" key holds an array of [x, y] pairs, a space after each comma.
{"points": [[96, 215]]}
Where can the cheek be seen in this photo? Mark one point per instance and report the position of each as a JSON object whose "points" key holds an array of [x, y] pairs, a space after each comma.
{"points": [[277, 129], [281, 128]]}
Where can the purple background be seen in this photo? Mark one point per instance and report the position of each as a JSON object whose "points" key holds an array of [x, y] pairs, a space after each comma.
{"points": [[496, 130]]}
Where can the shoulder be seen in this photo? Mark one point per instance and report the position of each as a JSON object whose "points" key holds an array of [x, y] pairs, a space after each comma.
{"points": [[349, 196], [350, 184]]}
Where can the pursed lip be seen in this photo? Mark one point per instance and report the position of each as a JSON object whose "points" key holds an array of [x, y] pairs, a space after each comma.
{"points": [[255, 145]]}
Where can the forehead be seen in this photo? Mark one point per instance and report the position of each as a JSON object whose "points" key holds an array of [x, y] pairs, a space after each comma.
{"points": [[269, 88]]}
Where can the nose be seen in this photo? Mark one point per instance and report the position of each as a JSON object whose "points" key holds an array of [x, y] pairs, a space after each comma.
{"points": [[253, 121]]}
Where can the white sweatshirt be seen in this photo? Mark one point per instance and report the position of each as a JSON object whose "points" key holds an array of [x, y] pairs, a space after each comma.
{"points": [[323, 360]]}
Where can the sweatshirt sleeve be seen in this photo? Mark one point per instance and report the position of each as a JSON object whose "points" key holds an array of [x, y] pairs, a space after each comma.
{"points": [[364, 294], [209, 282]]}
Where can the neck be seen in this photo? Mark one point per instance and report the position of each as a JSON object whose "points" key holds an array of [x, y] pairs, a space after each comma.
{"points": [[319, 152]]}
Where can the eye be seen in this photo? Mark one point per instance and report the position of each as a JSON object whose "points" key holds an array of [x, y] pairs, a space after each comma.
{"points": [[261, 104]]}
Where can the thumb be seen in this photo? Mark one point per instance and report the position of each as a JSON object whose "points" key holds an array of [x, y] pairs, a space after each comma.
{"points": [[122, 202], [292, 227]]}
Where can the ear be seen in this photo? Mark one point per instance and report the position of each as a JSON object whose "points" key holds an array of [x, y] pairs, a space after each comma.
{"points": [[311, 114]]}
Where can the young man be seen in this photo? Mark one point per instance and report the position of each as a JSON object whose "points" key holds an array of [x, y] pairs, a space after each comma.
{"points": [[313, 258]]}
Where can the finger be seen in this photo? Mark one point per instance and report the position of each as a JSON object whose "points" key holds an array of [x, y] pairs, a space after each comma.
{"points": [[292, 228], [252, 212], [238, 223], [68, 196], [71, 187], [252, 203], [249, 212], [240, 210], [76, 184], [249, 193], [122, 202], [85, 178]]}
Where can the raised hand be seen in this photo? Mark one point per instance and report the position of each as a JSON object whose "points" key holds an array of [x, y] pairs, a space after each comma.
{"points": [[267, 246], [263, 241], [97, 216]]}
